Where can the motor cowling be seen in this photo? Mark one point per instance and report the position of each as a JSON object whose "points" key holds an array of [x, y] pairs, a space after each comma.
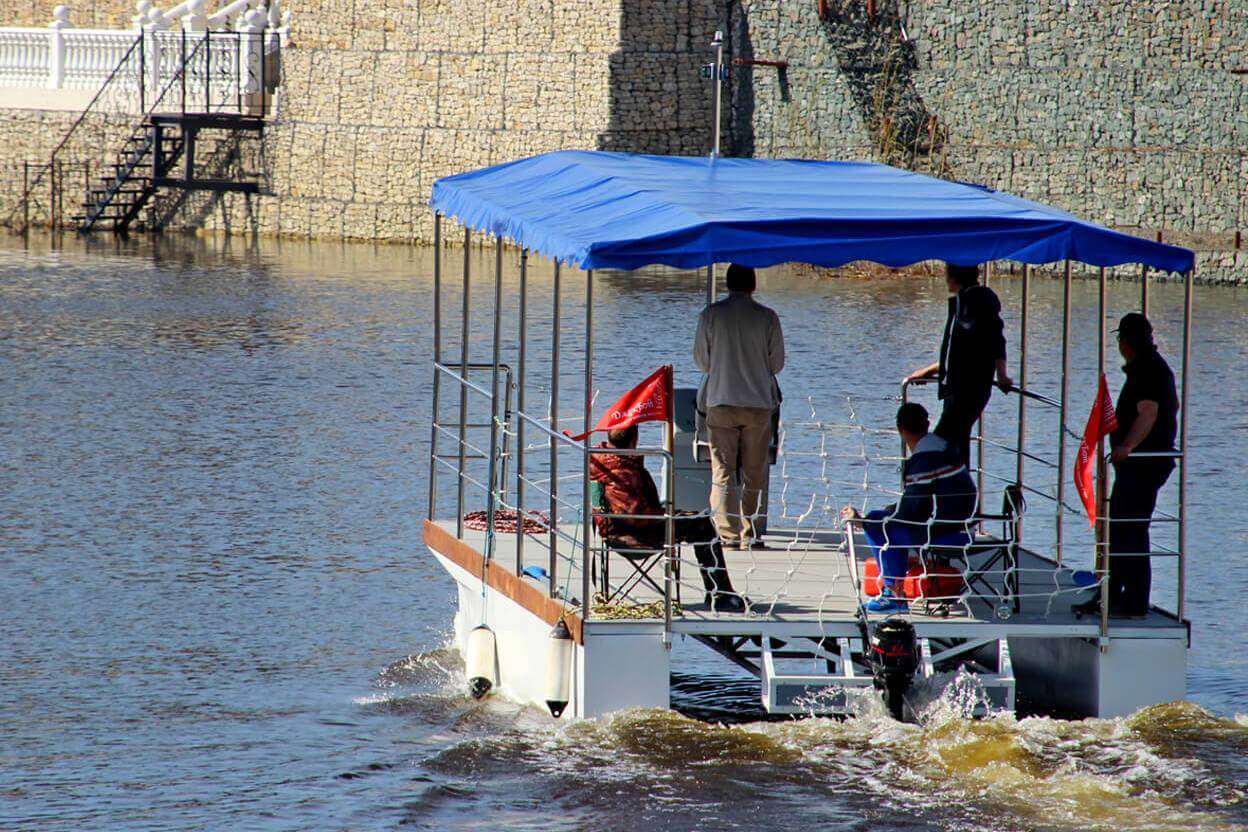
{"points": [[893, 655]]}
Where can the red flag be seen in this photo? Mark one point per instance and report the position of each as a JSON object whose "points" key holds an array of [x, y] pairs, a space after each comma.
{"points": [[650, 401], [1102, 421]]}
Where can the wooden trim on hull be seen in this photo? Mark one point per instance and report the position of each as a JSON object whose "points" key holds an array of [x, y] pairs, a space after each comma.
{"points": [[502, 581]]}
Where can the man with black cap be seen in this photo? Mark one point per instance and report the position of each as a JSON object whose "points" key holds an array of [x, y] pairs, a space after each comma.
{"points": [[972, 350], [740, 347], [1147, 413]]}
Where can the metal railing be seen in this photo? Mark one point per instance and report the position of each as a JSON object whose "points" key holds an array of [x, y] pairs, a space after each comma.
{"points": [[578, 550], [1061, 508]]}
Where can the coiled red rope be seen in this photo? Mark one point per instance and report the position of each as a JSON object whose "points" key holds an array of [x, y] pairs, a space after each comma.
{"points": [[505, 521]]}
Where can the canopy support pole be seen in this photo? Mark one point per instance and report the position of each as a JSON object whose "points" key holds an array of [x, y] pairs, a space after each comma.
{"points": [[463, 386], [1101, 546], [586, 504], [553, 566], [437, 360], [1061, 430], [522, 338], [1022, 399], [710, 284], [1144, 290], [496, 483], [1187, 361]]}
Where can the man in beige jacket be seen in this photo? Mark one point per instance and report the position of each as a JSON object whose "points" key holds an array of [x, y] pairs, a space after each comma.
{"points": [[740, 347]]}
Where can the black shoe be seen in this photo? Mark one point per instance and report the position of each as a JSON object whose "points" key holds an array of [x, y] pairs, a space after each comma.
{"points": [[1089, 607], [725, 602]]}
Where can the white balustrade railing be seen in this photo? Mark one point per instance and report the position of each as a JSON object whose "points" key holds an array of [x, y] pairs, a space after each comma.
{"points": [[25, 57], [90, 55], [62, 57]]}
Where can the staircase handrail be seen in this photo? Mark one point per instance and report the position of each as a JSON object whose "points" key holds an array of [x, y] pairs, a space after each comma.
{"points": [[222, 15], [112, 76]]}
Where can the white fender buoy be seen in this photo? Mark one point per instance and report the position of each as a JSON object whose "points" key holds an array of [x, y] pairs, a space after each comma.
{"points": [[558, 669], [481, 661]]}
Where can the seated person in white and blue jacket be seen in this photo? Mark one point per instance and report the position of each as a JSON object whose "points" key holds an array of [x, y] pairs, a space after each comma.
{"points": [[938, 499]]}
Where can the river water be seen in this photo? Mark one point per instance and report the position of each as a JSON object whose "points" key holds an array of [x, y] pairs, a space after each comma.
{"points": [[218, 614]]}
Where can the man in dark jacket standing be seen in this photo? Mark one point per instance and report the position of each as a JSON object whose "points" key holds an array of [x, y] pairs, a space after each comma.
{"points": [[1147, 413], [971, 352]]}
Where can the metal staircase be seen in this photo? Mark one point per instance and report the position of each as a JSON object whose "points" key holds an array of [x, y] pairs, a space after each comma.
{"points": [[178, 84], [137, 168], [149, 160]]}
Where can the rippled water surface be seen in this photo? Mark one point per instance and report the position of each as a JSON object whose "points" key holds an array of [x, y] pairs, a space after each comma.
{"points": [[217, 612]]}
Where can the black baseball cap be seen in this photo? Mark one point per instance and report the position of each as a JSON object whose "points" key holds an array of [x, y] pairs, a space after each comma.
{"points": [[1134, 325]]}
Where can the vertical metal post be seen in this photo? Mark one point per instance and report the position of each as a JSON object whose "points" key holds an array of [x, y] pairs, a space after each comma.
{"points": [[208, 74], [1061, 431], [142, 70], [52, 192], [437, 359], [25, 197], [586, 504], [671, 552], [553, 566], [492, 479], [523, 345], [1183, 404], [1022, 385], [182, 70], [1101, 552], [158, 140], [463, 387], [716, 102], [1144, 290], [710, 284]]}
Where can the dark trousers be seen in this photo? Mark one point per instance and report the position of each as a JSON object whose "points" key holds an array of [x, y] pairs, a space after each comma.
{"points": [[1131, 505], [699, 531], [958, 415]]}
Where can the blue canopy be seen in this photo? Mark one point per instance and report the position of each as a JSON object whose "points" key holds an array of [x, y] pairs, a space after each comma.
{"points": [[600, 210]]}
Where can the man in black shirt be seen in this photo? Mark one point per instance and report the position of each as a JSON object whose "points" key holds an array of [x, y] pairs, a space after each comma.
{"points": [[971, 351], [1147, 412]]}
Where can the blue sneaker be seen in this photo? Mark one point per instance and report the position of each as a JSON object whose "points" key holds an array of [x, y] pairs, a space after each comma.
{"points": [[886, 602]]}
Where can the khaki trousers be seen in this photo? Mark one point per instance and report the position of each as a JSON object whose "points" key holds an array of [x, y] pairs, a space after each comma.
{"points": [[740, 437]]}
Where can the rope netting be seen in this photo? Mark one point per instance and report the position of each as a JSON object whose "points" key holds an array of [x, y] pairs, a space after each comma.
{"points": [[808, 566]]}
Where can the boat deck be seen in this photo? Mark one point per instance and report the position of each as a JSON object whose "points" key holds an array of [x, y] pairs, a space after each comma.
{"points": [[801, 584]]}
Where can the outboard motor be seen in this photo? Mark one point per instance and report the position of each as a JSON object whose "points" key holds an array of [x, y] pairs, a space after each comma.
{"points": [[893, 656]]}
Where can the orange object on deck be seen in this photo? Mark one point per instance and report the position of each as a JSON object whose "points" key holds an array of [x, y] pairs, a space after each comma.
{"points": [[936, 580]]}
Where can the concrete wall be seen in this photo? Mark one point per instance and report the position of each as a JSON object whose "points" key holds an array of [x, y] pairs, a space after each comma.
{"points": [[1120, 111]]}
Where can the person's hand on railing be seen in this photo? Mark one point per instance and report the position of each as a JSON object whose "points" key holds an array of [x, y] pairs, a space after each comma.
{"points": [[1120, 453], [922, 374], [1003, 377], [849, 513]]}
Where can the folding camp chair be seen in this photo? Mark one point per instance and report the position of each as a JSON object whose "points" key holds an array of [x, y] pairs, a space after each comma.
{"points": [[997, 553], [642, 558]]}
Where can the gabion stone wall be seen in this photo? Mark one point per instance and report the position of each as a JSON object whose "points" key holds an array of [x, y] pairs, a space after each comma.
{"points": [[1123, 112], [381, 99]]}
